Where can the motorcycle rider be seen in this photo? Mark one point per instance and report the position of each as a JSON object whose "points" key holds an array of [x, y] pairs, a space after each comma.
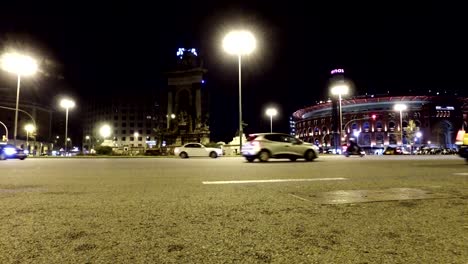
{"points": [[353, 146]]}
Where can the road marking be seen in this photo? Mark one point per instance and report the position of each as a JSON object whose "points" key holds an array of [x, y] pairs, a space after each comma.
{"points": [[461, 173], [275, 180], [300, 198]]}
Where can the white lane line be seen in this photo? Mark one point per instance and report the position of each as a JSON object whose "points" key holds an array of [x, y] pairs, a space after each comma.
{"points": [[461, 173], [298, 197], [275, 180]]}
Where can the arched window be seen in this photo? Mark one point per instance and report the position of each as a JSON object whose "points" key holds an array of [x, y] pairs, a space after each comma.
{"points": [[417, 123], [405, 124], [324, 130], [354, 126], [378, 125], [366, 126], [391, 125]]}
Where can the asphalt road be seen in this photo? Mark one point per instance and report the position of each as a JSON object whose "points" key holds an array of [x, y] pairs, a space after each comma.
{"points": [[376, 209]]}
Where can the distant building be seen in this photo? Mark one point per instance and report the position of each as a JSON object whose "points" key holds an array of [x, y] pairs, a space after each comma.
{"points": [[437, 118], [133, 121]]}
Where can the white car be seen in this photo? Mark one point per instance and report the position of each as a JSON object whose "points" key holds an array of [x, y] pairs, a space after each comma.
{"points": [[197, 150], [277, 145]]}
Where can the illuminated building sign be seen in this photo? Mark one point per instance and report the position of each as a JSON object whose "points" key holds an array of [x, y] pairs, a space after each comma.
{"points": [[450, 108], [181, 51], [335, 71]]}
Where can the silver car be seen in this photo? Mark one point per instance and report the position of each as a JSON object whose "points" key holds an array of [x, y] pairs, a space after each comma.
{"points": [[277, 145]]}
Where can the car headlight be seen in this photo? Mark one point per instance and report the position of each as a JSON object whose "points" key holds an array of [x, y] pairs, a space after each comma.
{"points": [[10, 151]]}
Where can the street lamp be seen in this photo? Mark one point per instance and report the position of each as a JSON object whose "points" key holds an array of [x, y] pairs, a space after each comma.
{"points": [[340, 90], [136, 135], [271, 112], [29, 129], [21, 65], [401, 108], [67, 104], [105, 131], [239, 42]]}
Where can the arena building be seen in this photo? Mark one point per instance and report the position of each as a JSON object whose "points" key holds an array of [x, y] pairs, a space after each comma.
{"points": [[373, 121]]}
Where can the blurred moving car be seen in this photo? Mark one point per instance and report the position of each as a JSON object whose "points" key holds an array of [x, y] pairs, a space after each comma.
{"points": [[277, 145], [463, 150], [197, 150], [8, 151], [395, 150]]}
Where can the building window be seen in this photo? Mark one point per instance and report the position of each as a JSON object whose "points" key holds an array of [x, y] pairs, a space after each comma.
{"points": [[132, 124], [140, 138], [123, 138], [132, 131], [391, 125], [116, 118], [132, 138], [124, 124], [366, 126], [140, 124], [148, 132], [132, 118], [124, 132]]}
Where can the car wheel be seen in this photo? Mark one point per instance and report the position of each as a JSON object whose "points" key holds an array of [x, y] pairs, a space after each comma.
{"points": [[293, 158], [183, 155], [22, 158], [213, 155], [2, 157], [250, 159], [264, 156], [309, 155]]}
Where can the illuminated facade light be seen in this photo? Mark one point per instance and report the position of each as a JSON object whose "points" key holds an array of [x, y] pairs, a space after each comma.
{"points": [[335, 71], [181, 51]]}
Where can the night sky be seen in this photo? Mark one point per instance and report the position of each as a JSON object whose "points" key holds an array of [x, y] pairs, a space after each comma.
{"points": [[119, 48]]}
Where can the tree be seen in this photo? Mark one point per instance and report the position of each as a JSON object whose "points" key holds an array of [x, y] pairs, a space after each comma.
{"points": [[411, 131]]}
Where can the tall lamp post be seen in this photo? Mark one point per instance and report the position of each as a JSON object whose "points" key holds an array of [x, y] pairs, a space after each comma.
{"points": [[21, 65], [239, 43], [67, 104], [401, 108], [271, 112], [340, 90]]}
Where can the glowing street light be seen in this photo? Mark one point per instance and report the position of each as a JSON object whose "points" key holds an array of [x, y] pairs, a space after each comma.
{"points": [[67, 104], [341, 89], [239, 42], [136, 135], [271, 112], [105, 131], [29, 129], [400, 108], [21, 65]]}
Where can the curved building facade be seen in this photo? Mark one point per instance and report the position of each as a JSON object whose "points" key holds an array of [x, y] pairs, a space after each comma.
{"points": [[373, 122]]}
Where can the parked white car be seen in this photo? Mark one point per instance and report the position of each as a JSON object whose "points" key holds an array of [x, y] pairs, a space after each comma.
{"points": [[197, 150]]}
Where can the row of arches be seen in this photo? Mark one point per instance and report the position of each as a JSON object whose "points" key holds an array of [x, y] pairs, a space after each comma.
{"points": [[366, 127]]}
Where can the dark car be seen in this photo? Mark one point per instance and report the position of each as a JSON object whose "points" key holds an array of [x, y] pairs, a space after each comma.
{"points": [[8, 151]]}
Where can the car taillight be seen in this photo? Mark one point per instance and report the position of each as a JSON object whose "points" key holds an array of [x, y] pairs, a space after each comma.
{"points": [[255, 143]]}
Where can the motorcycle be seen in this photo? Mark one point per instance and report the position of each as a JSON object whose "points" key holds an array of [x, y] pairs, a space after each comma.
{"points": [[354, 151]]}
